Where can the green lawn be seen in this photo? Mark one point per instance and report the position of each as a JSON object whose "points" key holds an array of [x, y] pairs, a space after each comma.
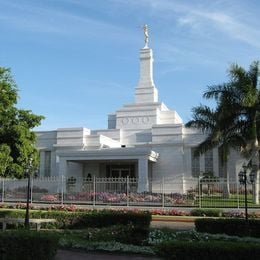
{"points": [[218, 201]]}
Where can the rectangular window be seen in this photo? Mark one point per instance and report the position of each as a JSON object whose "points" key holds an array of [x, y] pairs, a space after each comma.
{"points": [[195, 164], [47, 164], [209, 161]]}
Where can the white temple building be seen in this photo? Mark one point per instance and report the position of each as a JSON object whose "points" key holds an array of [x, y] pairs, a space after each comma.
{"points": [[144, 139]]}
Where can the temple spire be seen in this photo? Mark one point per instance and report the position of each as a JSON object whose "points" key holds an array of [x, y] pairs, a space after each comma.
{"points": [[146, 90]]}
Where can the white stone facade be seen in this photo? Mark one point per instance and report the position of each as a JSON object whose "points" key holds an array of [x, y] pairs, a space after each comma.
{"points": [[144, 139]]}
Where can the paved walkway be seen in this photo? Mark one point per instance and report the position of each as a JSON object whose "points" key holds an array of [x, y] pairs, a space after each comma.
{"points": [[173, 225], [79, 255]]}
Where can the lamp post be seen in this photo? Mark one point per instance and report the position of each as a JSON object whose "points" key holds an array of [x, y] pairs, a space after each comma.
{"points": [[28, 173], [243, 179]]}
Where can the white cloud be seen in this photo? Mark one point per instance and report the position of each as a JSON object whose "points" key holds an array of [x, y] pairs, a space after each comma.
{"points": [[204, 15], [201, 17], [229, 25]]}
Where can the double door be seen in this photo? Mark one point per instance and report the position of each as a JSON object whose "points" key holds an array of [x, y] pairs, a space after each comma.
{"points": [[119, 173]]}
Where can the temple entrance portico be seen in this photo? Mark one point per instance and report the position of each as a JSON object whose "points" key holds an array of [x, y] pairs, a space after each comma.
{"points": [[109, 163]]}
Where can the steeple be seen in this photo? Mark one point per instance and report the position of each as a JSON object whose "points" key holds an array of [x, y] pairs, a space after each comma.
{"points": [[146, 112], [146, 90]]}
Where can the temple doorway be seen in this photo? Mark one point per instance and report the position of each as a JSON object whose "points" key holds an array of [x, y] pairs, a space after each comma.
{"points": [[120, 171]]}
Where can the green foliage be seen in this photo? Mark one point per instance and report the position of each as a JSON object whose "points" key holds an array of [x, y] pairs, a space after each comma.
{"points": [[77, 240], [5, 158], [232, 227], [25, 245], [208, 176], [106, 218], [207, 212], [233, 123], [127, 234], [157, 236], [216, 250], [79, 220], [17, 139]]}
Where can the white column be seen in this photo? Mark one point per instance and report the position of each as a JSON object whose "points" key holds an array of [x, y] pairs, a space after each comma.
{"points": [[63, 167], [143, 181], [215, 162], [42, 163]]}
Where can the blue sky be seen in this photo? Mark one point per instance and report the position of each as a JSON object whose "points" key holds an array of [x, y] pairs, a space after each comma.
{"points": [[75, 61]]}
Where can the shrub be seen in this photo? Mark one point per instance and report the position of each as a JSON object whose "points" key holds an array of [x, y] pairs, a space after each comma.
{"points": [[127, 234], [240, 214], [208, 250], [105, 218], [34, 189], [169, 212], [234, 214], [12, 213], [232, 227], [102, 218], [207, 212], [66, 207], [26, 245]]}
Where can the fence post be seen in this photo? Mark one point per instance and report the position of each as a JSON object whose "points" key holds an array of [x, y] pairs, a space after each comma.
{"points": [[163, 198], [237, 195], [3, 190], [127, 191], [199, 194], [31, 190], [62, 189], [94, 191]]}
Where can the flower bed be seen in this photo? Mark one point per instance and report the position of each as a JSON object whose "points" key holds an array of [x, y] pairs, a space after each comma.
{"points": [[49, 197], [133, 198]]}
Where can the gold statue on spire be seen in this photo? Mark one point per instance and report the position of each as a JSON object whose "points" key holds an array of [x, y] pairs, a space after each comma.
{"points": [[146, 35]]}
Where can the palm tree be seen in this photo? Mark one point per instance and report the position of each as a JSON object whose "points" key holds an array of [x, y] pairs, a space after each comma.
{"points": [[213, 123], [239, 99]]}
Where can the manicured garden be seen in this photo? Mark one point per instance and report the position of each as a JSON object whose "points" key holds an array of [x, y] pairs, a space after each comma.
{"points": [[205, 197], [128, 231]]}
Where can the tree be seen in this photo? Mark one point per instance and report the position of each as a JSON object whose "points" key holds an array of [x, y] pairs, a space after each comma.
{"points": [[18, 155], [17, 140], [213, 122], [239, 104], [5, 158]]}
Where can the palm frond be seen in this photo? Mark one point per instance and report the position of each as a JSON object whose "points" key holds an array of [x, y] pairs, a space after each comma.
{"points": [[215, 91], [204, 147], [237, 73], [235, 123], [203, 118], [254, 73]]}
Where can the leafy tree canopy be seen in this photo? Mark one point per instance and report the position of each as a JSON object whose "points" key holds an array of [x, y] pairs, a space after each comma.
{"points": [[17, 140]]}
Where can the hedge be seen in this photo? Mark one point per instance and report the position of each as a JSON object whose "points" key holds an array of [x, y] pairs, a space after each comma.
{"points": [[95, 218], [217, 250], [232, 227], [126, 234], [206, 212], [26, 245]]}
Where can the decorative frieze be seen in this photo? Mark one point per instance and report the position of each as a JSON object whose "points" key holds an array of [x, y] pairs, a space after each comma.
{"points": [[135, 120]]}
